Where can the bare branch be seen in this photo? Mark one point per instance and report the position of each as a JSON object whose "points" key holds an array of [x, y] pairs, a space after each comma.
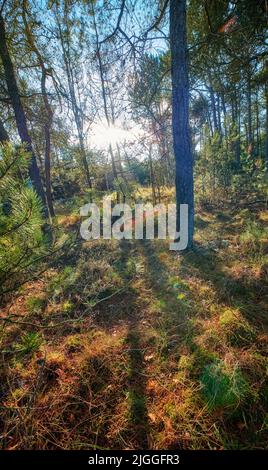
{"points": [[117, 28]]}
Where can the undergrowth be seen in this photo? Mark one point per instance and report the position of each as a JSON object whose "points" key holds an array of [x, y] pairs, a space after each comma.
{"points": [[127, 345]]}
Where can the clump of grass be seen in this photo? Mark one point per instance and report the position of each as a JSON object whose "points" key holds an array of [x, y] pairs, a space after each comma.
{"points": [[73, 344], [254, 238], [54, 361], [210, 338], [55, 358], [201, 223], [223, 387], [62, 281], [17, 394], [186, 365], [67, 307], [185, 362], [236, 328], [35, 304], [29, 343], [68, 220]]}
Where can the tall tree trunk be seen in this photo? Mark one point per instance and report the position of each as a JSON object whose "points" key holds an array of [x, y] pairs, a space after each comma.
{"points": [[224, 115], [209, 122], [122, 174], [19, 111], [152, 174], [213, 106], [47, 129], [180, 112], [219, 114], [257, 124], [266, 126], [113, 161], [73, 95], [48, 110], [249, 119], [115, 174], [237, 120], [105, 94]]}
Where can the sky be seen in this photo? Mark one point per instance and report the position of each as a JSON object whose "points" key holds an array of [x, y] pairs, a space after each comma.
{"points": [[134, 22], [101, 136]]}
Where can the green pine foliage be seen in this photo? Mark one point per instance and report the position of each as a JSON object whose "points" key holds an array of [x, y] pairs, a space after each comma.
{"points": [[21, 221]]}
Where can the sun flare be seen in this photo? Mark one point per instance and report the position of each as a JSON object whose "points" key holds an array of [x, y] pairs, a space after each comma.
{"points": [[102, 136]]}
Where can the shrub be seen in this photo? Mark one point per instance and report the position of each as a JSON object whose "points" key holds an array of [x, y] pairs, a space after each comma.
{"points": [[21, 236], [254, 237]]}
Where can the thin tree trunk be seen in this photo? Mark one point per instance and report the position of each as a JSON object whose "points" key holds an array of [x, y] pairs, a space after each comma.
{"points": [[180, 112], [209, 122], [19, 111], [113, 161], [249, 119], [266, 126], [237, 142], [213, 106], [152, 175], [104, 97], [114, 171], [48, 112], [75, 108], [224, 115], [47, 129], [219, 114], [122, 173], [257, 124]]}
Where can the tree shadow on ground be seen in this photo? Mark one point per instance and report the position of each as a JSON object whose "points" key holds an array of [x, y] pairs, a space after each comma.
{"points": [[138, 425], [170, 317], [127, 313], [245, 293]]}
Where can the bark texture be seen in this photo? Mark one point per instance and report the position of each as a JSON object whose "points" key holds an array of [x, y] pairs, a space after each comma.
{"points": [[180, 111], [20, 117], [48, 115]]}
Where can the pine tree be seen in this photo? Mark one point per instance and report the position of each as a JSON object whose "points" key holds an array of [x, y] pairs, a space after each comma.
{"points": [[21, 237]]}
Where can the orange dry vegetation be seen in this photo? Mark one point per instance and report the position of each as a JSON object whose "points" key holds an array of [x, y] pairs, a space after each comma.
{"points": [[120, 347]]}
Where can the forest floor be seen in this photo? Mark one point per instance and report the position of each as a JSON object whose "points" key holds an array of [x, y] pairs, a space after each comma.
{"points": [[128, 345]]}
